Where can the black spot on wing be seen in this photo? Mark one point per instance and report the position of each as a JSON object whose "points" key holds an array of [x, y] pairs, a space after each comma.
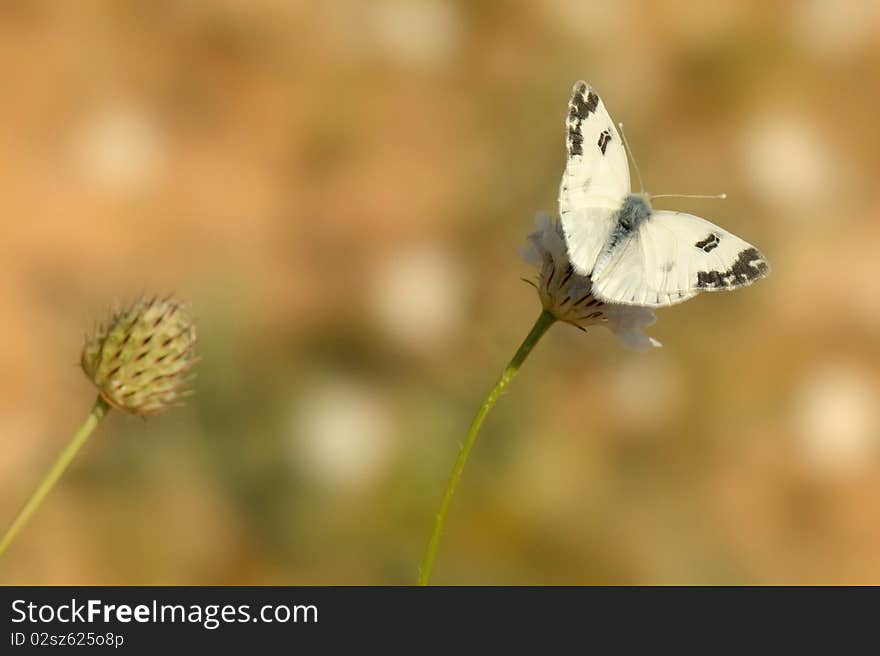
{"points": [[575, 139], [583, 103], [709, 243], [748, 267], [604, 138]]}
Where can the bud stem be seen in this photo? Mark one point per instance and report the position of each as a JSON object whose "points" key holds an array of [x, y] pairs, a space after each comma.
{"points": [[60, 465], [541, 325]]}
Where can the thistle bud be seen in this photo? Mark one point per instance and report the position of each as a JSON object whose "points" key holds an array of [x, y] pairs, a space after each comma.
{"points": [[140, 360]]}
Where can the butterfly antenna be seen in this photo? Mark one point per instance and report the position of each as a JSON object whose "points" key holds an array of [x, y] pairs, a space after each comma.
{"points": [[632, 158], [715, 196]]}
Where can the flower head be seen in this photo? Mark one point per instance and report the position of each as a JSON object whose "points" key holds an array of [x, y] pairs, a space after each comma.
{"points": [[567, 295], [140, 360]]}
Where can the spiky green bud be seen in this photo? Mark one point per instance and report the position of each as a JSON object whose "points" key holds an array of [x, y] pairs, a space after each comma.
{"points": [[141, 359]]}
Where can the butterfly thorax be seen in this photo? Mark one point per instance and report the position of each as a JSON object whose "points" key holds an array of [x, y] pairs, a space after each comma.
{"points": [[634, 212]]}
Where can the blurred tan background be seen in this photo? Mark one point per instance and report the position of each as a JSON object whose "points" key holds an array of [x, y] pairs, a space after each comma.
{"points": [[340, 188]]}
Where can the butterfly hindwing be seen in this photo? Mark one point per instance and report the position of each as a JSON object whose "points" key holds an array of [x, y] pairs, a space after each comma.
{"points": [[596, 177]]}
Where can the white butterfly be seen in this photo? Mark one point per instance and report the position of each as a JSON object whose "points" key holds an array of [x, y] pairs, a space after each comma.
{"points": [[636, 255]]}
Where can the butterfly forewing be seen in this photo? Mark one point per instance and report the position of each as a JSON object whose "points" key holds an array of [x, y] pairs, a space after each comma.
{"points": [[596, 177], [674, 256]]}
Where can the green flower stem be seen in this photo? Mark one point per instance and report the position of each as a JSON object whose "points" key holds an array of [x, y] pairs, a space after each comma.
{"points": [[60, 465], [541, 325]]}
